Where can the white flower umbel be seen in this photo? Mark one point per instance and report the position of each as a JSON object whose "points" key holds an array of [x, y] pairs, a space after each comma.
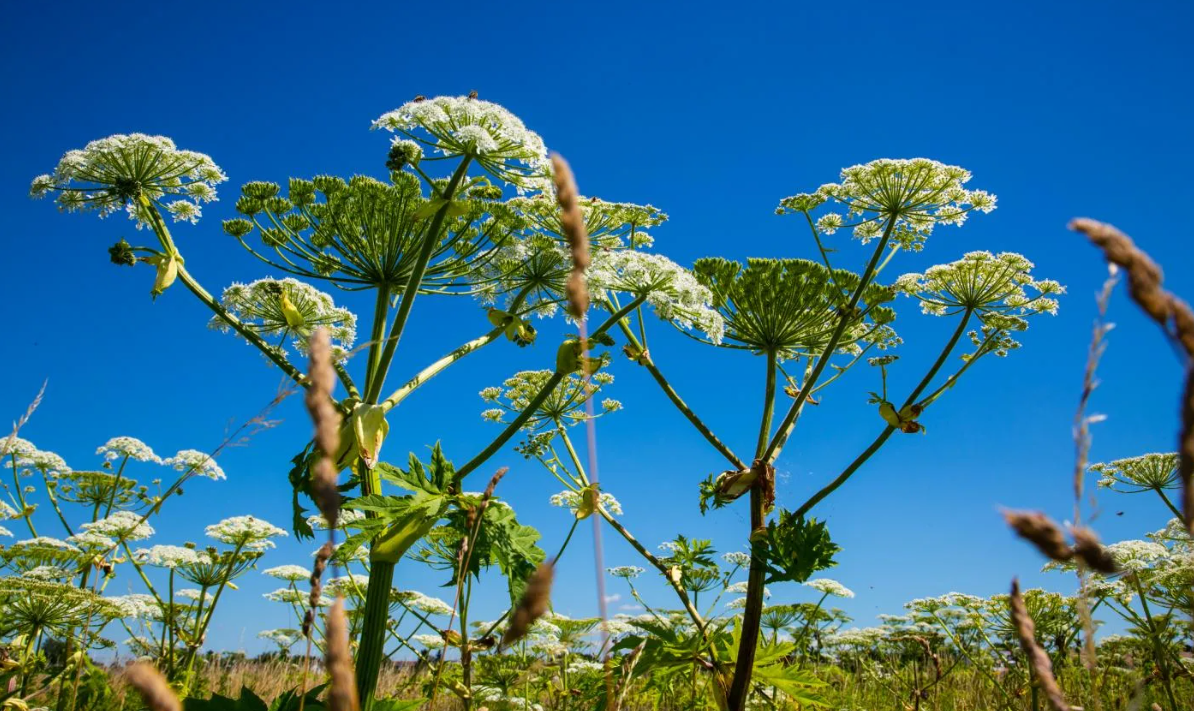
{"points": [[196, 463], [284, 638], [571, 500], [1146, 472], [164, 556], [740, 589], [430, 641], [608, 224], [115, 172], [10, 445], [347, 516], [1135, 556], [985, 284], [247, 532], [428, 605], [907, 198], [5, 532], [290, 573], [625, 571], [490, 135], [670, 289], [287, 308], [91, 541], [48, 463], [137, 606], [131, 447], [122, 525], [830, 587], [737, 558], [293, 596]]}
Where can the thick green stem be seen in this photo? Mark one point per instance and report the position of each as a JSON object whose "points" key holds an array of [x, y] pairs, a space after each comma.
{"points": [[753, 613], [413, 282], [371, 649], [381, 312]]}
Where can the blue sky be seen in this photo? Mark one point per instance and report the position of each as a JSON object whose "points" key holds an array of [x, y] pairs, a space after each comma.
{"points": [[713, 113]]}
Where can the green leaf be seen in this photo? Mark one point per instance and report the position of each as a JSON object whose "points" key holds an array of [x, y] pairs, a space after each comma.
{"points": [[434, 479], [792, 548], [798, 684], [247, 701], [289, 700], [514, 548], [300, 482]]}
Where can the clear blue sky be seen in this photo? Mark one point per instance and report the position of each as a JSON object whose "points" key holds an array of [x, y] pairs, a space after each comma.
{"points": [[711, 112]]}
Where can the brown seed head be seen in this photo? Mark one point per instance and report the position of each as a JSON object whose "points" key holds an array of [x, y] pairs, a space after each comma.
{"points": [[1173, 315], [152, 686], [532, 605], [1037, 658], [342, 691], [1088, 548], [326, 418], [1039, 529], [572, 220]]}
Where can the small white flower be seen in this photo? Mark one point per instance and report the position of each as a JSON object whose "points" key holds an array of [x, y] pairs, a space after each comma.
{"points": [[428, 605], [291, 573], [196, 463], [247, 532], [167, 556], [737, 558], [122, 525], [130, 447], [625, 571], [284, 638], [830, 587], [571, 501], [430, 641]]}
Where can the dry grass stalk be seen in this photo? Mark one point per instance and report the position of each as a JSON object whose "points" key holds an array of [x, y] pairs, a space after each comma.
{"points": [[1173, 315], [1037, 658], [152, 686], [1039, 530], [1144, 280], [532, 605], [572, 219], [16, 426], [342, 691], [1088, 548], [327, 425]]}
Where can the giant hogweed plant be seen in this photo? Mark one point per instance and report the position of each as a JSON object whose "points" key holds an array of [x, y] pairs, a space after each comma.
{"points": [[811, 321], [410, 235], [438, 225]]}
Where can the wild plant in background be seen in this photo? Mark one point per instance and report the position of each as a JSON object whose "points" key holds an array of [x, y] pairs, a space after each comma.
{"points": [[54, 597]]}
